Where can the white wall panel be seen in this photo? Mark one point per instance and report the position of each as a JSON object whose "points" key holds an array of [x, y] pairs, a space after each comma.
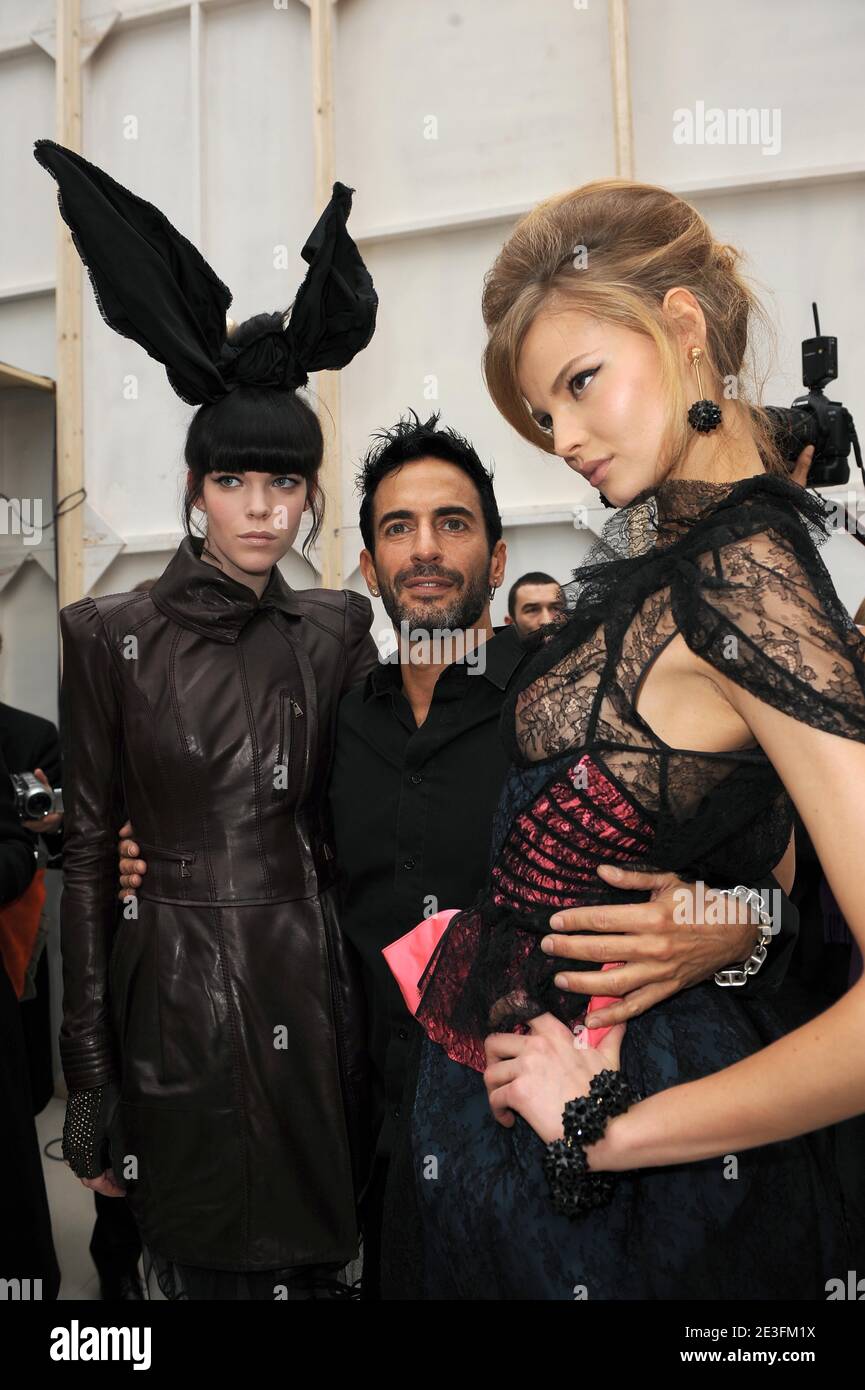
{"points": [[801, 58], [28, 600], [27, 236], [19, 18], [258, 165], [27, 337], [137, 127], [520, 94], [430, 336]]}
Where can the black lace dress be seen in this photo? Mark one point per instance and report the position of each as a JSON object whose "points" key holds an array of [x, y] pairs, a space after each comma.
{"points": [[734, 569]]}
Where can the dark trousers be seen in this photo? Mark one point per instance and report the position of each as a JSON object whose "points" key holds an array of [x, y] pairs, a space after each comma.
{"points": [[371, 1217], [26, 1244], [115, 1244]]}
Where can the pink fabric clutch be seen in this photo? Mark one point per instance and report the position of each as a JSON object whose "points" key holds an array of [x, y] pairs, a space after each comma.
{"points": [[407, 959]]}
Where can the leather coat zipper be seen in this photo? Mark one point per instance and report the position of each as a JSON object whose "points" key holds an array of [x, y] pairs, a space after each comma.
{"points": [[182, 857], [286, 740]]}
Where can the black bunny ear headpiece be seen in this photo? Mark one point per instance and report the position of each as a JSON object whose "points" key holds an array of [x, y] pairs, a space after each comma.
{"points": [[153, 286]]}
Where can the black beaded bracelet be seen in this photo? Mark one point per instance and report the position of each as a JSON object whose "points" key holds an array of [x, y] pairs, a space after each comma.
{"points": [[574, 1189]]}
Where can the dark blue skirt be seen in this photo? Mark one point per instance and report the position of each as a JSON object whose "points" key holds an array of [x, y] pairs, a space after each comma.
{"points": [[766, 1223]]}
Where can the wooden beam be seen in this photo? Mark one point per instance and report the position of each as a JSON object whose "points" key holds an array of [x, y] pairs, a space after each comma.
{"points": [[11, 377], [92, 33], [470, 219], [328, 382], [70, 428], [27, 290], [623, 125], [196, 101]]}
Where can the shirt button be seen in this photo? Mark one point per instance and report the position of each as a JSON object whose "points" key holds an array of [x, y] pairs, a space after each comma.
{"points": [[408, 864], [416, 778], [402, 1034], [397, 1112]]}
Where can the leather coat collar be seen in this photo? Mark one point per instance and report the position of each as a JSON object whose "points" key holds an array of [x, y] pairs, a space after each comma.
{"points": [[199, 596]]}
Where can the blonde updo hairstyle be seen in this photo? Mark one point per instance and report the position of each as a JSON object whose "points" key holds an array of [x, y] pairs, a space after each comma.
{"points": [[640, 241]]}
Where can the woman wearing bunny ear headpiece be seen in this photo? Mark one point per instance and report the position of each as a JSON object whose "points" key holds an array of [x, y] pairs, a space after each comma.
{"points": [[212, 1039]]}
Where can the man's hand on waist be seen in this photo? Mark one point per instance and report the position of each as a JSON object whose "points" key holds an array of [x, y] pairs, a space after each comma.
{"points": [[665, 945]]}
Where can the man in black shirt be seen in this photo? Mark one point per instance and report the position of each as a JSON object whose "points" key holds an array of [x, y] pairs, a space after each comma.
{"points": [[419, 764]]}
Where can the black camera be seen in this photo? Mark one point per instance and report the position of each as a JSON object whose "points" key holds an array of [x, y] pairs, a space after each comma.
{"points": [[812, 419], [32, 800]]}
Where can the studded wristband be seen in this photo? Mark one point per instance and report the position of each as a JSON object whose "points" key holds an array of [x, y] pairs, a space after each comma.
{"points": [[573, 1188]]}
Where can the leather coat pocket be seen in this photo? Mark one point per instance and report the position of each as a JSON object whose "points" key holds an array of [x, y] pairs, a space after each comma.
{"points": [[182, 858]]}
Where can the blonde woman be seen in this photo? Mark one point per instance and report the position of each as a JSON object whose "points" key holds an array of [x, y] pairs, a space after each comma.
{"points": [[707, 677]]}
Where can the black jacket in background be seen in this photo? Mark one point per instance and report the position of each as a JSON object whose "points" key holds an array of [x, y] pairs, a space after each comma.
{"points": [[26, 1246], [28, 741]]}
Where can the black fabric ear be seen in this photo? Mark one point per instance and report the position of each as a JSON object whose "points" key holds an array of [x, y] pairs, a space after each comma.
{"points": [[151, 284], [333, 317]]}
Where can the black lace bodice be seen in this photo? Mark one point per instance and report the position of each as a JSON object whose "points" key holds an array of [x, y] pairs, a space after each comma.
{"points": [[733, 568]]}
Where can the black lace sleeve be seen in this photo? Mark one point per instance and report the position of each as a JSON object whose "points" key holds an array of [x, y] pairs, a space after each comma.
{"points": [[764, 613]]}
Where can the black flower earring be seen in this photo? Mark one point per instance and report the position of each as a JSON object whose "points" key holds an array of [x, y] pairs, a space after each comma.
{"points": [[704, 415]]}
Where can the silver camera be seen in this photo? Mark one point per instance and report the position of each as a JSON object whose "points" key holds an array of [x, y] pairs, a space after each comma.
{"points": [[32, 800]]}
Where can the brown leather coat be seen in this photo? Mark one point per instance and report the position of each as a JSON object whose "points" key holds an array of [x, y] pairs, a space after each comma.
{"points": [[226, 1007]]}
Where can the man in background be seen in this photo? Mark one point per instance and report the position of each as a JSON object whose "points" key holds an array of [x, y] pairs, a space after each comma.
{"points": [[26, 1244], [535, 600], [29, 743]]}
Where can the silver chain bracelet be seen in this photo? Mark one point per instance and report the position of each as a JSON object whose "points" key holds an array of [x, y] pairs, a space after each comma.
{"points": [[739, 974]]}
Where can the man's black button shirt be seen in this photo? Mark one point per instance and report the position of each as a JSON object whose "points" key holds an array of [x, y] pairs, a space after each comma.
{"points": [[412, 816]]}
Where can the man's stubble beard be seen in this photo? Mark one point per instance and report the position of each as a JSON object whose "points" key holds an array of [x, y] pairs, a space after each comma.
{"points": [[461, 613]]}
